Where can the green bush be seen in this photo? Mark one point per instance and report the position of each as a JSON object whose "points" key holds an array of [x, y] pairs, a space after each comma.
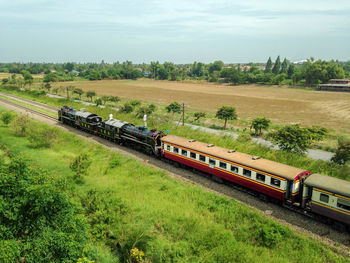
{"points": [[6, 117], [42, 138], [38, 222], [127, 108]]}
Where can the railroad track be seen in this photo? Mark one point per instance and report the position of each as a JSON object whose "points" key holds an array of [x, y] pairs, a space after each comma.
{"points": [[41, 105], [294, 220], [28, 109]]}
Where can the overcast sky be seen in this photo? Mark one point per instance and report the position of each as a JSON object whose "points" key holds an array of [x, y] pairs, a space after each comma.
{"points": [[178, 31]]}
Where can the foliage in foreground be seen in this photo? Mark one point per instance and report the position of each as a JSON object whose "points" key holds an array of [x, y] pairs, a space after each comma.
{"points": [[38, 222]]}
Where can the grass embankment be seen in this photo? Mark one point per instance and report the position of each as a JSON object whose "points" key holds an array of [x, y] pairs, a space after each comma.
{"points": [[130, 205], [30, 106], [164, 121]]}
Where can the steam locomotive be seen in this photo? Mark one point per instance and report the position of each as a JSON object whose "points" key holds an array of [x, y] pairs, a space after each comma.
{"points": [[318, 196]]}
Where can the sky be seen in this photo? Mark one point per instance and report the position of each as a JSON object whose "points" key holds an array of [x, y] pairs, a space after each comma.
{"points": [[236, 31]]}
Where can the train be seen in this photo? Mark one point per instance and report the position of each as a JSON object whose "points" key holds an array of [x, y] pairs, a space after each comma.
{"points": [[319, 196]]}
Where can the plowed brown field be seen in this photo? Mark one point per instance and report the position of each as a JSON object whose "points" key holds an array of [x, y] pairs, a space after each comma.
{"points": [[281, 105]]}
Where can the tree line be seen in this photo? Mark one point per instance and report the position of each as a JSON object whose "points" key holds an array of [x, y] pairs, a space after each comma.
{"points": [[310, 73]]}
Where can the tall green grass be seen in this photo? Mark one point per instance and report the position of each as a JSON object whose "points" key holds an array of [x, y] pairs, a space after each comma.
{"points": [[130, 205]]}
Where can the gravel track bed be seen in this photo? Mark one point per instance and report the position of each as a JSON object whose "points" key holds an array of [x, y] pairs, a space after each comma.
{"points": [[302, 224], [34, 103]]}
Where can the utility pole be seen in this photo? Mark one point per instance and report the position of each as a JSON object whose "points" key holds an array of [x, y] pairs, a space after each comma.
{"points": [[183, 114]]}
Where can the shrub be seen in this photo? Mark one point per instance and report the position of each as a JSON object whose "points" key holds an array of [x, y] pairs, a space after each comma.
{"points": [[80, 165], [145, 110], [342, 155], [174, 107], [39, 223], [6, 117], [271, 235], [244, 138], [127, 108], [198, 115], [42, 138], [20, 125], [135, 103], [98, 102]]}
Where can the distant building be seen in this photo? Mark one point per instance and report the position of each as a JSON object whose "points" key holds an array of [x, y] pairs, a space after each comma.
{"points": [[336, 85], [300, 62]]}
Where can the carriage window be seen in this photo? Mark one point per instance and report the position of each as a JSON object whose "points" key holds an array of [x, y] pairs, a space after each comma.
{"points": [[247, 172], [168, 147], [260, 177], [193, 155], [176, 150], [275, 182], [234, 169], [212, 162], [342, 203], [223, 165], [202, 158], [324, 198], [184, 152]]}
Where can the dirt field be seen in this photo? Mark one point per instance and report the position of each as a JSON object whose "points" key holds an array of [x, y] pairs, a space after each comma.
{"points": [[281, 105], [7, 75]]}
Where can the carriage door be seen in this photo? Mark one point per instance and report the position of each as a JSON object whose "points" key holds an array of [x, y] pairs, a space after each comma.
{"points": [[289, 190]]}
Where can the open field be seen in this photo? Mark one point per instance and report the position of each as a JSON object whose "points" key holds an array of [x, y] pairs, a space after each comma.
{"points": [[8, 75], [281, 105]]}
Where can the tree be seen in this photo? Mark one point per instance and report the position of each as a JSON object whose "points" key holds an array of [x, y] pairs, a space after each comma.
{"points": [[291, 138], [342, 155], [277, 66], [154, 69], [259, 124], [78, 91], [174, 107], [69, 89], [291, 70], [90, 94], [69, 66], [105, 99], [216, 66], [226, 113], [98, 101], [198, 115], [47, 86], [28, 79], [268, 66], [284, 67], [319, 71]]}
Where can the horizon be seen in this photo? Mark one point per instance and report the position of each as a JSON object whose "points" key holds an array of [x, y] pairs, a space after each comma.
{"points": [[204, 31]]}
